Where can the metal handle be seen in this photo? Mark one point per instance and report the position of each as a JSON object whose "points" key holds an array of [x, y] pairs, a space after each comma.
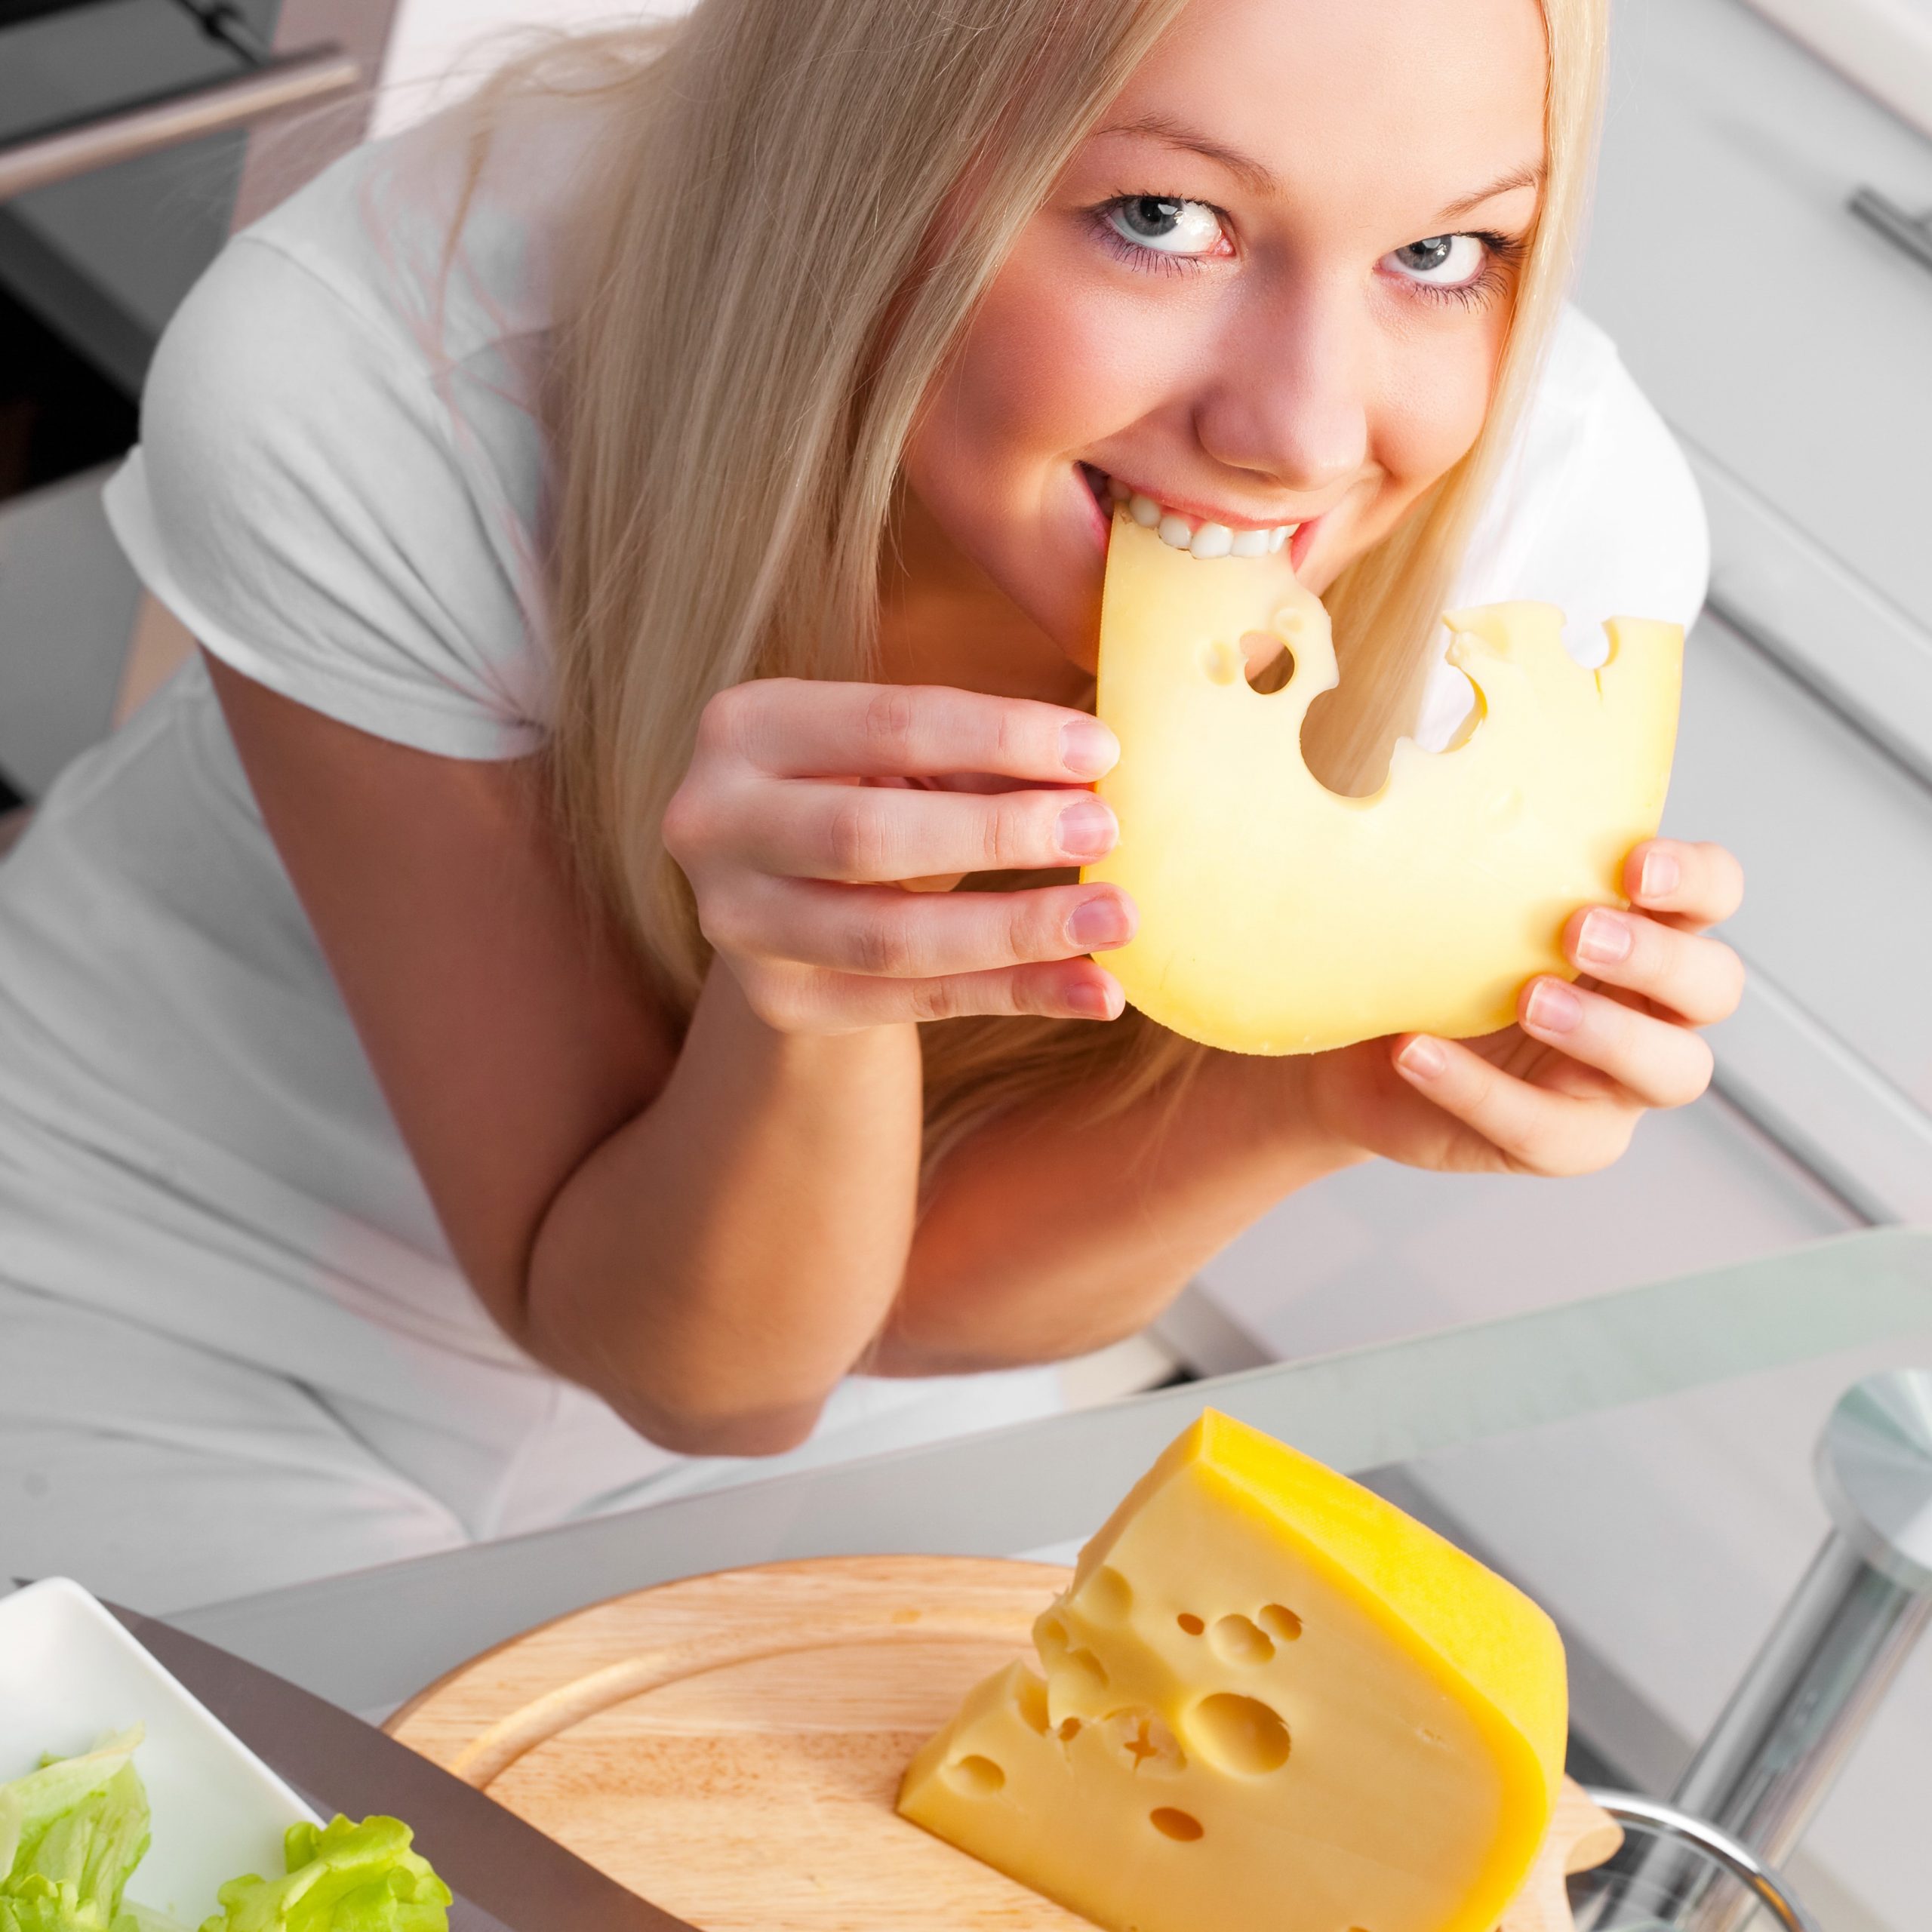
{"points": [[1627, 1807], [58, 153], [1912, 233]]}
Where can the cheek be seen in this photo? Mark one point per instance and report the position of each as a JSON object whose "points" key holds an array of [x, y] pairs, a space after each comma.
{"points": [[1436, 404], [1049, 366]]}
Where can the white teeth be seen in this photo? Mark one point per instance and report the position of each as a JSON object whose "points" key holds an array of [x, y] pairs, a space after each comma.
{"points": [[1209, 539]]}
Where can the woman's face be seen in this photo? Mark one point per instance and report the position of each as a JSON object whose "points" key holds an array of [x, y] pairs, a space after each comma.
{"points": [[1270, 290]]}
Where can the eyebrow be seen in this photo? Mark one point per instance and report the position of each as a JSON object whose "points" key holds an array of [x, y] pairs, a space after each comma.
{"points": [[1529, 176], [1178, 134]]}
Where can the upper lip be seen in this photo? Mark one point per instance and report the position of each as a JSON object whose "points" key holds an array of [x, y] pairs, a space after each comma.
{"points": [[1202, 512]]}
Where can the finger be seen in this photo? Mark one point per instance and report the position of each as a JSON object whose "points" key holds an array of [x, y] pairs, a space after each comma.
{"points": [[806, 727], [1536, 1131], [884, 933], [1699, 979], [1662, 1064], [860, 835], [1701, 885], [827, 1001]]}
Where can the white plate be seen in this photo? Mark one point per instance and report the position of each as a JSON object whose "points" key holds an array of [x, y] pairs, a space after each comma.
{"points": [[69, 1674]]}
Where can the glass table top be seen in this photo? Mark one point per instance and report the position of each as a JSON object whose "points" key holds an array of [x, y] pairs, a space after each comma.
{"points": [[1495, 1388], [1638, 1461]]}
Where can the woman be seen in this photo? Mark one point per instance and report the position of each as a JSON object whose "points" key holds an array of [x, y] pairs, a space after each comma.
{"points": [[467, 1047]]}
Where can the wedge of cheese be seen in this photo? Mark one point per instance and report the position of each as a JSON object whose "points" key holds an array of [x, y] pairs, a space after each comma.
{"points": [[1269, 1702], [1277, 917]]}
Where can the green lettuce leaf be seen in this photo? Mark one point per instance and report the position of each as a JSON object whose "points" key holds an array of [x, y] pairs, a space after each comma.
{"points": [[341, 1877], [73, 1832]]}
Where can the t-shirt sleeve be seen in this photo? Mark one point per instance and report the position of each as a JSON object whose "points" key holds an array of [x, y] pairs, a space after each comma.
{"points": [[301, 501]]}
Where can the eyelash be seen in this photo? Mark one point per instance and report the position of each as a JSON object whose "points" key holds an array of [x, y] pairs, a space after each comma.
{"points": [[1501, 253], [1129, 252]]}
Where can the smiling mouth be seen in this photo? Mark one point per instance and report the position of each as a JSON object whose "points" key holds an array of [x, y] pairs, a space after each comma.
{"points": [[1197, 535]]}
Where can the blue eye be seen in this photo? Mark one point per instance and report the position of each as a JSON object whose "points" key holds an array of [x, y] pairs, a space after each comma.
{"points": [[1441, 261], [1164, 225]]}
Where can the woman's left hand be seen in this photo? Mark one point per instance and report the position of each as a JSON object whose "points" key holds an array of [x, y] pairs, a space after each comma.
{"points": [[1561, 1091]]}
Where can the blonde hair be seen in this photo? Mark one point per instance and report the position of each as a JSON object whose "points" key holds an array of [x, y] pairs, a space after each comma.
{"points": [[758, 383]]}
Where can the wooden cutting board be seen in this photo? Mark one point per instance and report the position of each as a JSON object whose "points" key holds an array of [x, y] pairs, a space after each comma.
{"points": [[731, 1745]]}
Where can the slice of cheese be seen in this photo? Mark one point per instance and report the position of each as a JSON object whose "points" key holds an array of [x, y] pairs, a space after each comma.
{"points": [[1272, 1703], [1278, 917]]}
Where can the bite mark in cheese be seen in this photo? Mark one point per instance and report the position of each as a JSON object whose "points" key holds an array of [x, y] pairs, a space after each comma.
{"points": [[1270, 1700], [1278, 917]]}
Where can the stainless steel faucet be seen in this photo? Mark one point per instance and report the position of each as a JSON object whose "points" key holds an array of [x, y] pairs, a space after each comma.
{"points": [[1801, 1706]]}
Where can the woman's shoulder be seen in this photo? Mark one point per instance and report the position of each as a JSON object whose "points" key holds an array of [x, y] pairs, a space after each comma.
{"points": [[341, 470], [1597, 509], [444, 234]]}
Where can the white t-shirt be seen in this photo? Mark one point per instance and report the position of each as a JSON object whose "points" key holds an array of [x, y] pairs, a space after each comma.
{"points": [[338, 491]]}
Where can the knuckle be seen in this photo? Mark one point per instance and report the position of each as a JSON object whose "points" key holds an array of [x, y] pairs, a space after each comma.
{"points": [[1592, 1153], [1694, 1077], [727, 925], [690, 822], [725, 724], [856, 844], [1729, 992], [1034, 930], [939, 999], [884, 946], [1009, 834], [775, 998], [892, 723]]}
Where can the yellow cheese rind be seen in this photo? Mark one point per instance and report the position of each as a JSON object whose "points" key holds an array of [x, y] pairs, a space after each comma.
{"points": [[1278, 917], [1270, 1700]]}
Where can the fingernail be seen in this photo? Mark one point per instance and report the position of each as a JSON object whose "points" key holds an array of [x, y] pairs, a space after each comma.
{"points": [[1091, 1002], [1553, 1006], [1604, 939], [1088, 830], [1660, 875], [1424, 1058], [1087, 748], [1101, 922]]}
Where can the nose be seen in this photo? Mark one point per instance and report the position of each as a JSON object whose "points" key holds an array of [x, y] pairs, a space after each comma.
{"points": [[1288, 400]]}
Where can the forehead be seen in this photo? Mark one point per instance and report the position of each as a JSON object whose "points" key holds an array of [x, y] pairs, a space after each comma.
{"points": [[1362, 102]]}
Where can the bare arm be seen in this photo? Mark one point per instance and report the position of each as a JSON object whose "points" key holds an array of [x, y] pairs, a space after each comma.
{"points": [[709, 1233], [705, 1238]]}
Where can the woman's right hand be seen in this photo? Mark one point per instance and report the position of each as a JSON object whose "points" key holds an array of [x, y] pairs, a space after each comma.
{"points": [[805, 806]]}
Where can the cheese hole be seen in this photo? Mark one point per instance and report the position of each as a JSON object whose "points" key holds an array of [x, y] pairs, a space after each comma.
{"points": [[1238, 1640], [1282, 1622], [1050, 1633], [1192, 1624], [1032, 1704], [977, 1776], [1146, 1744], [1274, 665], [1240, 1734], [1181, 1826], [1069, 1729], [1109, 1596]]}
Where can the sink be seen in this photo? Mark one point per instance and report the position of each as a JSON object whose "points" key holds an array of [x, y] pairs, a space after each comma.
{"points": [[1885, 45]]}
